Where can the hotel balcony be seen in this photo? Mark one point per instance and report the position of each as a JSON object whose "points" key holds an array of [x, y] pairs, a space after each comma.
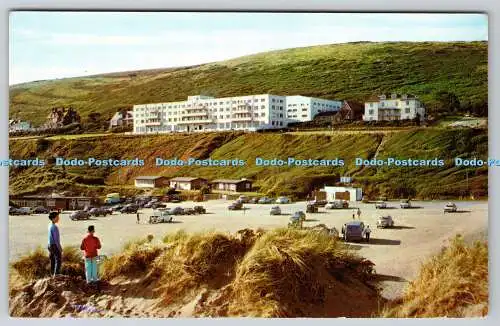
{"points": [[196, 114], [196, 121], [242, 118], [152, 123]]}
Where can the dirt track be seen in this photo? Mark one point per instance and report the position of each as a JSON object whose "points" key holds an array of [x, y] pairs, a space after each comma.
{"points": [[397, 253]]}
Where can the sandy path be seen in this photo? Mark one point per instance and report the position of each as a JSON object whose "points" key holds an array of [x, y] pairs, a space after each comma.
{"points": [[396, 252]]}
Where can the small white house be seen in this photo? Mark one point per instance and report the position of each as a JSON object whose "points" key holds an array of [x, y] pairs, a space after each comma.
{"points": [[394, 107], [151, 182], [344, 193]]}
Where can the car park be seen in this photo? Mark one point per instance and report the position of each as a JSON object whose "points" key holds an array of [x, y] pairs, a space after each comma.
{"points": [[79, 215], [265, 200], [450, 208], [385, 221], [405, 203], [355, 231], [275, 210], [380, 204], [282, 200]]}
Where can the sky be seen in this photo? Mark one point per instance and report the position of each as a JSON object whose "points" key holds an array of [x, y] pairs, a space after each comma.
{"points": [[50, 45]]}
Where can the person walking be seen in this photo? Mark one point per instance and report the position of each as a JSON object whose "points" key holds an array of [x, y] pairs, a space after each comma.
{"points": [[367, 233], [353, 216], [138, 219], [90, 245], [359, 213], [54, 245]]}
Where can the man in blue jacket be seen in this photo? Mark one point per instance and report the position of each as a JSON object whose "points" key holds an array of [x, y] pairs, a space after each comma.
{"points": [[54, 245]]}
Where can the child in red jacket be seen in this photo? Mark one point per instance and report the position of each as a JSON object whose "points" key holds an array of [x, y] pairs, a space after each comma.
{"points": [[90, 245]]}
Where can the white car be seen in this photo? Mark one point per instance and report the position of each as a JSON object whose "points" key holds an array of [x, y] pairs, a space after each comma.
{"points": [[282, 200], [244, 199], [380, 204], [265, 200], [385, 222], [337, 204], [275, 210], [405, 203], [450, 208], [160, 216]]}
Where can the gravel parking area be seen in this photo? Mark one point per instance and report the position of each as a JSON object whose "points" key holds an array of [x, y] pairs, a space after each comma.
{"points": [[397, 253]]}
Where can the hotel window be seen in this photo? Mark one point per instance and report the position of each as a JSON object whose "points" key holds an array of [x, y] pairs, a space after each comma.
{"points": [[263, 114], [272, 106], [262, 106], [255, 100], [273, 100], [370, 112], [262, 99], [281, 101], [407, 110], [407, 102]]}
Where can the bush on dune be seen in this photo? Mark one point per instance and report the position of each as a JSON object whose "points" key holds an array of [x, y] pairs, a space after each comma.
{"points": [[36, 264], [453, 283], [290, 273]]}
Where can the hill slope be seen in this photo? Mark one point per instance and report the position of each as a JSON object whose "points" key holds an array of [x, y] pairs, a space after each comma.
{"points": [[352, 71], [429, 182]]}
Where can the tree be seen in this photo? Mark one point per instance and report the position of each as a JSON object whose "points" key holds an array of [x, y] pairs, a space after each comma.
{"points": [[447, 102]]}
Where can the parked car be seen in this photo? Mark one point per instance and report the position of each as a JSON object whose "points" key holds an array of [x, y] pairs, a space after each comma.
{"points": [[40, 210], [160, 216], [275, 210], [355, 231], [235, 206], [96, 211], [405, 203], [337, 204], [24, 211], [244, 199], [265, 200], [282, 200], [15, 211], [380, 204], [311, 208], [189, 211], [297, 219], [79, 215], [382, 198], [157, 205], [117, 208], [450, 208], [200, 210], [176, 211], [319, 203], [253, 200], [129, 208], [385, 222]]}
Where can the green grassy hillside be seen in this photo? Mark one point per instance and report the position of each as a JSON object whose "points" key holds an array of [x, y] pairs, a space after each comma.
{"points": [[353, 71], [432, 182]]}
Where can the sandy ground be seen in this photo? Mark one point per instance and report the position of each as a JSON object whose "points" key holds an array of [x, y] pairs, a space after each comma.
{"points": [[397, 253]]}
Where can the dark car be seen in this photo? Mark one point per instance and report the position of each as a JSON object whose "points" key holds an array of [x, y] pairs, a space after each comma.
{"points": [[237, 205], [98, 211], [130, 208], [40, 210], [117, 208], [355, 231], [189, 211], [254, 200], [157, 205], [200, 209], [311, 208], [79, 215], [319, 203]]}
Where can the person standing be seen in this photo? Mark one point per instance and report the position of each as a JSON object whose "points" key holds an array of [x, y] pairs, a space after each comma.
{"points": [[359, 213], [90, 245], [353, 216], [54, 245], [138, 219]]}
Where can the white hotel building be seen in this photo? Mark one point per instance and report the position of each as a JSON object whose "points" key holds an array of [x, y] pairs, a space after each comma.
{"points": [[394, 107], [206, 113]]}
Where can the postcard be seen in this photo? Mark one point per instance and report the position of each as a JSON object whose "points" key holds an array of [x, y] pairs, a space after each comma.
{"points": [[248, 164]]}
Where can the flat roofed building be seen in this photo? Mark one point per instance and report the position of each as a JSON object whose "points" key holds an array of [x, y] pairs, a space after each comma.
{"points": [[187, 183], [343, 193], [207, 113], [241, 185], [302, 108], [151, 182]]}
